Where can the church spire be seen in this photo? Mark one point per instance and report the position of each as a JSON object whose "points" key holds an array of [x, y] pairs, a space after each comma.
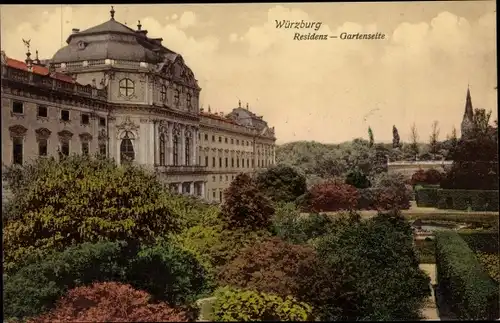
{"points": [[469, 112]]}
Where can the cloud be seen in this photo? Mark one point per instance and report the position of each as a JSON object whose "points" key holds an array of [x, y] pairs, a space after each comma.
{"points": [[187, 19], [233, 37]]}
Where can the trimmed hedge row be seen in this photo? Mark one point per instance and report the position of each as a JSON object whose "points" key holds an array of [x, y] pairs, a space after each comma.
{"points": [[426, 196], [476, 200], [470, 291]]}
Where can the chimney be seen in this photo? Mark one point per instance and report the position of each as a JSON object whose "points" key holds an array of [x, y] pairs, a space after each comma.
{"points": [[75, 30]]}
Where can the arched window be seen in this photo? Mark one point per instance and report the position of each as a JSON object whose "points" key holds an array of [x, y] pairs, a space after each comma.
{"points": [[188, 101], [163, 93], [176, 150], [162, 149], [127, 153], [126, 87], [187, 152], [176, 97]]}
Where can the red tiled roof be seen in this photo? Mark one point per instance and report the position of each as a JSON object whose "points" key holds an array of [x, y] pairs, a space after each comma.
{"points": [[37, 69], [217, 117]]}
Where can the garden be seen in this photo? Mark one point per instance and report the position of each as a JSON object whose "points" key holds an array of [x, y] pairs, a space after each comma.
{"points": [[86, 240]]}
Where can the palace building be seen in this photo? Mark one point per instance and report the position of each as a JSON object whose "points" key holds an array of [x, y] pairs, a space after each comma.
{"points": [[116, 92]]}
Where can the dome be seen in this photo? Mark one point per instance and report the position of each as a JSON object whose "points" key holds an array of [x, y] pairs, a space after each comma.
{"points": [[111, 40]]}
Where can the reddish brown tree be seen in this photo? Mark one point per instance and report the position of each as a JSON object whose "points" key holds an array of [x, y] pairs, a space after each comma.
{"points": [[272, 266], [418, 177], [332, 196], [245, 206], [109, 302]]}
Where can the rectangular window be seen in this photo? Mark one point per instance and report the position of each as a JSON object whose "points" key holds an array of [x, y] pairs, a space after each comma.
{"points": [[220, 139], [65, 148], [206, 136], [213, 138], [17, 151], [42, 147], [213, 194], [206, 161], [232, 162], [258, 163], [102, 122], [253, 162], [85, 148], [232, 141], [248, 163], [237, 141], [226, 162], [64, 115], [227, 178], [42, 111], [237, 162], [213, 178], [225, 140], [220, 162], [85, 119], [17, 107], [220, 178], [213, 161], [102, 149]]}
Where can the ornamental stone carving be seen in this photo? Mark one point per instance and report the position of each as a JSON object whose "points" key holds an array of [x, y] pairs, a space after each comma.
{"points": [[85, 137], [127, 125], [42, 133], [65, 134], [17, 131]]}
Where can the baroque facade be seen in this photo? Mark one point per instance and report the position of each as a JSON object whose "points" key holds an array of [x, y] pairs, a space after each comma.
{"points": [[116, 92]]}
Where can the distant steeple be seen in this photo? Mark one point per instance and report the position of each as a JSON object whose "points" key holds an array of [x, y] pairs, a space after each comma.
{"points": [[467, 125], [239, 103], [112, 12], [469, 112], [139, 26]]}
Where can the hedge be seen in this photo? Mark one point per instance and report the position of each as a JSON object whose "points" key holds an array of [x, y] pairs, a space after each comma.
{"points": [[476, 200], [426, 196], [467, 288]]}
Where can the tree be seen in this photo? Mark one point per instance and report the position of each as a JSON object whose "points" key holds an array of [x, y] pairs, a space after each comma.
{"points": [[34, 288], [414, 140], [110, 302], [481, 122], [332, 196], [433, 140], [245, 206], [391, 192], [234, 305], [168, 273], [370, 136], [272, 266], [281, 183], [395, 138], [81, 199], [363, 280], [357, 179]]}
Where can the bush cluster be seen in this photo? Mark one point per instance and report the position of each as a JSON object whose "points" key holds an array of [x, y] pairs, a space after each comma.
{"points": [[332, 196], [110, 302], [467, 288], [233, 305]]}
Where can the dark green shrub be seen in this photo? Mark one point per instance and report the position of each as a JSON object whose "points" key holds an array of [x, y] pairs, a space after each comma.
{"points": [[168, 273], [281, 183], [482, 241], [475, 200], [358, 180], [369, 272], [467, 288], [233, 305], [35, 288], [366, 199], [427, 197], [245, 206]]}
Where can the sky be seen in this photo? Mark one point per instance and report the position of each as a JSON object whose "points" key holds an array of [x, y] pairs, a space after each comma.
{"points": [[324, 90]]}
